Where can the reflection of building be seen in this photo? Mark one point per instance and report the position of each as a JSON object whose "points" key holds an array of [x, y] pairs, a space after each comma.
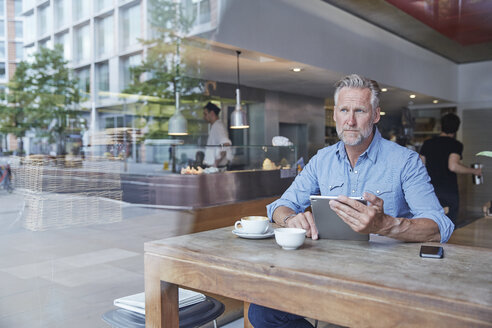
{"points": [[101, 40], [11, 50]]}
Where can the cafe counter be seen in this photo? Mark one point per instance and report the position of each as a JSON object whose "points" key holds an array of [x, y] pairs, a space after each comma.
{"points": [[179, 191]]}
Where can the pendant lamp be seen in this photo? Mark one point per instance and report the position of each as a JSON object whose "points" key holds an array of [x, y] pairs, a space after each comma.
{"points": [[238, 116], [178, 126], [177, 123]]}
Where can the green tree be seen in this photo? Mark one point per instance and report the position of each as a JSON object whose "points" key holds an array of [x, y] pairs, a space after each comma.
{"points": [[167, 67], [13, 118], [43, 96]]}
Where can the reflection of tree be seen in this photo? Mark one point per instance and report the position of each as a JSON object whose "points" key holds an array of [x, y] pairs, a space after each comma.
{"points": [[43, 97], [166, 69]]}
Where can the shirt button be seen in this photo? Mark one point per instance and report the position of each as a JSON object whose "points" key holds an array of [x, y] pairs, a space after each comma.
{"points": [[353, 191], [355, 171], [377, 191], [329, 186]]}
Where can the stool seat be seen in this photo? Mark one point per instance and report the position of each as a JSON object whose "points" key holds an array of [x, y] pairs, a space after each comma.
{"points": [[189, 316]]}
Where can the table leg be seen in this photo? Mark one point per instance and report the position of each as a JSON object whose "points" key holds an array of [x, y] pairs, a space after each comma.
{"points": [[247, 324], [161, 298]]}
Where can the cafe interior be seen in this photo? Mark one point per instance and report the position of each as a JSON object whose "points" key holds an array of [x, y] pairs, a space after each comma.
{"points": [[127, 210]]}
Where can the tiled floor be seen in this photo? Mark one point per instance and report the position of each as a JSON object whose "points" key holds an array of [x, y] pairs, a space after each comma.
{"points": [[69, 277]]}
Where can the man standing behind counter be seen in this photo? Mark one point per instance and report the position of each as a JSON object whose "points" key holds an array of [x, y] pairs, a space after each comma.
{"points": [[217, 136], [393, 179]]}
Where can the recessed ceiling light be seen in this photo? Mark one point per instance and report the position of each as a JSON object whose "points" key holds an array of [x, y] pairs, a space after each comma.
{"points": [[296, 69], [412, 96], [435, 101], [382, 113], [384, 89]]}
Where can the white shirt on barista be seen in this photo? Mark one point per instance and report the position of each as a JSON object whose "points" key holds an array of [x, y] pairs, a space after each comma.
{"points": [[217, 136]]}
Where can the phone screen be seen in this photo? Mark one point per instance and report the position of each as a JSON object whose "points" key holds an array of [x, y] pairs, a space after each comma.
{"points": [[436, 252]]}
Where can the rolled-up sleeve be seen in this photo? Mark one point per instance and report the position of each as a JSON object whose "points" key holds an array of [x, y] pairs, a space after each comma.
{"points": [[420, 196], [296, 197]]}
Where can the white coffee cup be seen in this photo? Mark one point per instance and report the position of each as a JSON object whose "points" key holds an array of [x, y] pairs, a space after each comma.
{"points": [[253, 224], [290, 238]]}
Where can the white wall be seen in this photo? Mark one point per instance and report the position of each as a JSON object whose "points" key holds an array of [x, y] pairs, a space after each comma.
{"points": [[475, 85], [316, 33]]}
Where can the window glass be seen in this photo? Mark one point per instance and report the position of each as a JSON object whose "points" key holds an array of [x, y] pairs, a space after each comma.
{"points": [[102, 4], [2, 49], [29, 27], [2, 10], [43, 21], [2, 70], [27, 4], [28, 53], [84, 83], [46, 43], [200, 10], [18, 30], [204, 12], [130, 26], [104, 36], [102, 79], [63, 39], [18, 8], [2, 28], [126, 64], [82, 47], [61, 12], [80, 9], [19, 50]]}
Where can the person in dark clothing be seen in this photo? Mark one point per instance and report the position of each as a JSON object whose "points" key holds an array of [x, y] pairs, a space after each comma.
{"points": [[442, 156]]}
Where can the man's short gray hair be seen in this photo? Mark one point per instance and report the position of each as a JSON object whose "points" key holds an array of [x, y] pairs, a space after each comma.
{"points": [[359, 82]]}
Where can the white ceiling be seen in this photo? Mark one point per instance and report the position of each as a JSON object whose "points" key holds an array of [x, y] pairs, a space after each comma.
{"points": [[218, 63]]}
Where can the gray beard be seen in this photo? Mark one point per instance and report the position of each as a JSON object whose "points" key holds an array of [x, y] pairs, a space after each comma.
{"points": [[363, 135]]}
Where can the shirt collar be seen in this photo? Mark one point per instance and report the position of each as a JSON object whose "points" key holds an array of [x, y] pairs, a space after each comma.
{"points": [[371, 151]]}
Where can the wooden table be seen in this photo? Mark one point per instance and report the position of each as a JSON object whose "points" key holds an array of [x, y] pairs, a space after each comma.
{"points": [[381, 283], [478, 234]]}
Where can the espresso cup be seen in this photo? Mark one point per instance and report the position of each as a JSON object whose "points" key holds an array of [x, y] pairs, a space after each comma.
{"points": [[253, 224]]}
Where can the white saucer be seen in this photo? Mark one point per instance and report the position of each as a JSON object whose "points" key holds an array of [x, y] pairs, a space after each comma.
{"points": [[241, 234]]}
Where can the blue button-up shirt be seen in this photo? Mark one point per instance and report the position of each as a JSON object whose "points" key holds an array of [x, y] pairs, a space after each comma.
{"points": [[386, 169]]}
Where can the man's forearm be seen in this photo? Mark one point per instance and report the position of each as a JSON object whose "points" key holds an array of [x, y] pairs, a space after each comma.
{"points": [[281, 213], [411, 230], [461, 169]]}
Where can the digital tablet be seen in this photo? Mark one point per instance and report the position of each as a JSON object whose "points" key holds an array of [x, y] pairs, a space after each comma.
{"points": [[329, 224]]}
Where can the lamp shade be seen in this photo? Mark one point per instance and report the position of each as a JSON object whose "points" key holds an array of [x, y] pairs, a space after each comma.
{"points": [[178, 126], [239, 119]]}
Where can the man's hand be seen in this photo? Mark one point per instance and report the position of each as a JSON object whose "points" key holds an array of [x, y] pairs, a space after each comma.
{"points": [[363, 218], [304, 221]]}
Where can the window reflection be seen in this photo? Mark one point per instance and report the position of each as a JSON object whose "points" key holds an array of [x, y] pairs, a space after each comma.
{"points": [[82, 44], [130, 27], [102, 80], [44, 21], [63, 40], [104, 36], [84, 76], [80, 9]]}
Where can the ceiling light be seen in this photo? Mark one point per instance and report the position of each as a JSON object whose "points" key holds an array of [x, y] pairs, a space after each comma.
{"points": [[382, 113], [296, 69], [412, 96], [435, 101], [384, 89], [238, 116]]}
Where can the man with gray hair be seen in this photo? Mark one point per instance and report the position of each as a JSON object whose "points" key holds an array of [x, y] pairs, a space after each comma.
{"points": [[392, 179]]}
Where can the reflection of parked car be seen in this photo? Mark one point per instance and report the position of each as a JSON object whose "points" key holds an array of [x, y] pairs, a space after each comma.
{"points": [[6, 177]]}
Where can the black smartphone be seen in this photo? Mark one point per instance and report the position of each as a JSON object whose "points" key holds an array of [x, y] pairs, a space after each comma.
{"points": [[435, 252]]}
